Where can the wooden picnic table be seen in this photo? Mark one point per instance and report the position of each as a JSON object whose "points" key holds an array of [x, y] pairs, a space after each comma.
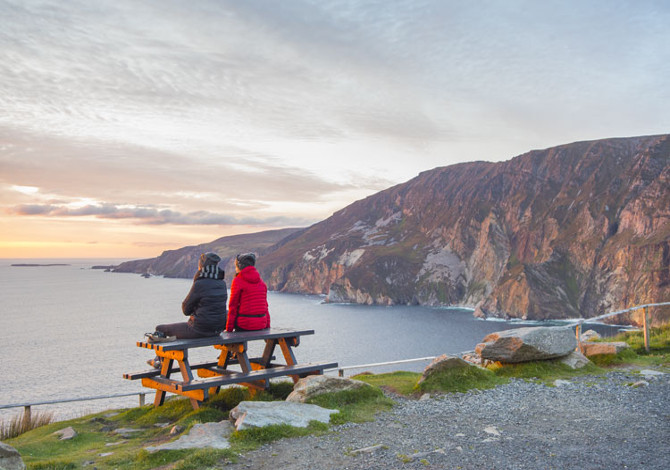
{"points": [[254, 373]]}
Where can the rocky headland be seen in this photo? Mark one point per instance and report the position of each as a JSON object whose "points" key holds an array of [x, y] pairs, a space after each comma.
{"points": [[573, 231]]}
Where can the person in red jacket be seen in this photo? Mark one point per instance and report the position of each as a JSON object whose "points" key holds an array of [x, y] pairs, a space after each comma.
{"points": [[248, 306]]}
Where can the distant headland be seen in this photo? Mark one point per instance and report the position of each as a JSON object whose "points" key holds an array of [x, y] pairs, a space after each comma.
{"points": [[32, 265]]}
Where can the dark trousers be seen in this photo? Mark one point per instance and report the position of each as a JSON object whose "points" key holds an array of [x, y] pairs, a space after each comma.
{"points": [[182, 331]]}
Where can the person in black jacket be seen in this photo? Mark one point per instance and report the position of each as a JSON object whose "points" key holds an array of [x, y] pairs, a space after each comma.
{"points": [[205, 305]]}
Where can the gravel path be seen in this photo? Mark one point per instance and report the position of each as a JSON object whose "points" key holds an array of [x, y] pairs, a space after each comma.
{"points": [[599, 422]]}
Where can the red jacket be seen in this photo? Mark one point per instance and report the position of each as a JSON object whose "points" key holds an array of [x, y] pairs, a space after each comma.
{"points": [[248, 307]]}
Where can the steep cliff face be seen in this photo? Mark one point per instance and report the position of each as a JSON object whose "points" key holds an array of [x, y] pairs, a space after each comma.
{"points": [[183, 263], [571, 231]]}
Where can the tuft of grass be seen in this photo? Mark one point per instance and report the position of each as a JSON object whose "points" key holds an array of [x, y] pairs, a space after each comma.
{"points": [[23, 423], [402, 382], [460, 380]]}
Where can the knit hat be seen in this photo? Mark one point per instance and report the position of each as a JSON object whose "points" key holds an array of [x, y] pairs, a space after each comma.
{"points": [[244, 260], [209, 259]]}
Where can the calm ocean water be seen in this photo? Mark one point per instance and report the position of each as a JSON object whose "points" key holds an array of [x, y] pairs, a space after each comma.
{"points": [[70, 331]]}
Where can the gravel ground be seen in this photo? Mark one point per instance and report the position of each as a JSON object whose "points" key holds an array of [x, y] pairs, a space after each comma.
{"points": [[599, 422]]}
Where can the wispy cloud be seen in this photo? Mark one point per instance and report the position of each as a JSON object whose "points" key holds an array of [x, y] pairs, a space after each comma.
{"points": [[150, 215]]}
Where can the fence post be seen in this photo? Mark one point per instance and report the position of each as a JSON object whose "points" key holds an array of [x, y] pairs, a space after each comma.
{"points": [[142, 396], [340, 372], [645, 322], [578, 334], [27, 416]]}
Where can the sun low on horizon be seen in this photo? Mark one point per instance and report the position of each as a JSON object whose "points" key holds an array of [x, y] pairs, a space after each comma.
{"points": [[131, 128]]}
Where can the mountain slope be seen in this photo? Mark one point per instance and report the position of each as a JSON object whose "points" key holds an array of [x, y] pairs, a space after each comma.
{"points": [[571, 231], [183, 262]]}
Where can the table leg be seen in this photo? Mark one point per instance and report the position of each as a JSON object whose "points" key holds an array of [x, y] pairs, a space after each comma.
{"points": [[166, 365]]}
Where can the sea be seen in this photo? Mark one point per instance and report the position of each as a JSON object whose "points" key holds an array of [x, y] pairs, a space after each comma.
{"points": [[68, 331]]}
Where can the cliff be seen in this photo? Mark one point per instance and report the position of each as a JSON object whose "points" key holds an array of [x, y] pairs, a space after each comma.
{"points": [[183, 262], [571, 231]]}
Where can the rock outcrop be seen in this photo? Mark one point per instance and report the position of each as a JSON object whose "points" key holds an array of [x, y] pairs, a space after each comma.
{"points": [[314, 385], [441, 364], [527, 344], [249, 414], [572, 231]]}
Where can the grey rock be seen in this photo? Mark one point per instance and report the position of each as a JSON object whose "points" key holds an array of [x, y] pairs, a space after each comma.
{"points": [[597, 349], [10, 459], [314, 385], [560, 383], [589, 335], [575, 360], [214, 435], [66, 434], [258, 414], [640, 383], [528, 344]]}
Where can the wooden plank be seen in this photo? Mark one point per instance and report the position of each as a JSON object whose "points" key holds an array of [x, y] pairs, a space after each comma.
{"points": [[167, 385], [225, 338], [239, 377], [201, 365]]}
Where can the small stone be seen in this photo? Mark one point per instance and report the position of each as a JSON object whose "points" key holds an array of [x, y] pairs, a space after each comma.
{"points": [[66, 434], [560, 383], [176, 429], [366, 450], [640, 383], [492, 430], [424, 397], [105, 454]]}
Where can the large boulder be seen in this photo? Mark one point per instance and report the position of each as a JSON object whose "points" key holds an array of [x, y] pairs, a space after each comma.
{"points": [[10, 459], [314, 385], [596, 349], [443, 363], [248, 414], [528, 344]]}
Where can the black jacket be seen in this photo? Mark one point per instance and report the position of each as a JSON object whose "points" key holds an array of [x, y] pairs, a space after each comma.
{"points": [[206, 302]]}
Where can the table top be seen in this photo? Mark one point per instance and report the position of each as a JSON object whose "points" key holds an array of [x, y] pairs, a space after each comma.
{"points": [[225, 338]]}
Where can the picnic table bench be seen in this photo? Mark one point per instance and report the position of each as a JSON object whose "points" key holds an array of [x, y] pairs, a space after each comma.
{"points": [[255, 372]]}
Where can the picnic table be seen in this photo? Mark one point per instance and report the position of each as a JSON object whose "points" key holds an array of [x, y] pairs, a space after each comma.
{"points": [[255, 373]]}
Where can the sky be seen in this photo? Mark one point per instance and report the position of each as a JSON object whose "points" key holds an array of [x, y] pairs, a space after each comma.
{"points": [[132, 127]]}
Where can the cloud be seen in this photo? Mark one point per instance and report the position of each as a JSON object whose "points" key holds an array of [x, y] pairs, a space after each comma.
{"points": [[152, 216]]}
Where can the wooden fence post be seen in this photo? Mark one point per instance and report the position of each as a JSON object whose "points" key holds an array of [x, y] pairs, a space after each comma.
{"points": [[645, 322], [142, 396], [578, 334], [27, 416]]}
